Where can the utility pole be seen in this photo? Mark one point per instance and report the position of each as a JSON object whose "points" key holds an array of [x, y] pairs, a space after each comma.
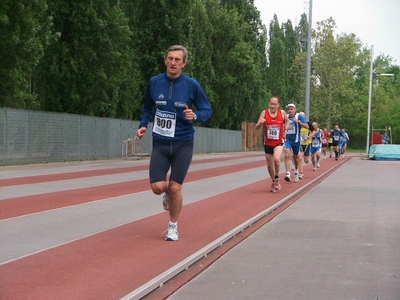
{"points": [[308, 67], [370, 99]]}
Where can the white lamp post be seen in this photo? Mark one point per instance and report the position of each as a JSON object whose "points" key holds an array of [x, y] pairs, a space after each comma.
{"points": [[370, 98]]}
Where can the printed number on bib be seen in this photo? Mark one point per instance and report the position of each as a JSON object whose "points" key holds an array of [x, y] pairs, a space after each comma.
{"points": [[292, 129], [165, 123], [273, 132], [315, 143]]}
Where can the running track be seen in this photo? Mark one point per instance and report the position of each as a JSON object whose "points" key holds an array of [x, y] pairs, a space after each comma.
{"points": [[95, 230]]}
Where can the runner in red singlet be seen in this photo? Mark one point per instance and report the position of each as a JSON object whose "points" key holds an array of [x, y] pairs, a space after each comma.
{"points": [[325, 139], [275, 123]]}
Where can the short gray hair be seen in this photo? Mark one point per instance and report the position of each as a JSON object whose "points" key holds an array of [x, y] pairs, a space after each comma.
{"points": [[176, 48]]}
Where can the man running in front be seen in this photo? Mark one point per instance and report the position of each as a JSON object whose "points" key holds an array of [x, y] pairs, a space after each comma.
{"points": [[276, 123], [170, 98]]}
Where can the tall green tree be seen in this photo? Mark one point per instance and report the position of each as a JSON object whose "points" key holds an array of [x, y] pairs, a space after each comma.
{"points": [[200, 32], [95, 58], [277, 61], [292, 46], [255, 35], [24, 33], [234, 63], [333, 72], [156, 25], [85, 70], [297, 69]]}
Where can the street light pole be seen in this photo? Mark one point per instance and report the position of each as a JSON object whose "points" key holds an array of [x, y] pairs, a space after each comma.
{"points": [[370, 99], [308, 66]]}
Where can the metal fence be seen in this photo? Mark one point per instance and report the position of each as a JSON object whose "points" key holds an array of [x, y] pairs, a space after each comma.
{"points": [[39, 137]]}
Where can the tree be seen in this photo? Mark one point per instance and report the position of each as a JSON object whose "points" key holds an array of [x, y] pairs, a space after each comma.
{"points": [[235, 65], [155, 27], [292, 49], [24, 34], [85, 69], [277, 75], [297, 69], [385, 109], [333, 71], [255, 35], [95, 58]]}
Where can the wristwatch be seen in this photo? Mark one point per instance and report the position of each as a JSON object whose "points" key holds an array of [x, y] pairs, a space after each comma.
{"points": [[194, 117]]}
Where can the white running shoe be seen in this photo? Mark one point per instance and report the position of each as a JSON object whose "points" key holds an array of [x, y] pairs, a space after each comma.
{"points": [[272, 188], [165, 201], [315, 169], [318, 165], [287, 177], [172, 234], [296, 177], [301, 176], [277, 184]]}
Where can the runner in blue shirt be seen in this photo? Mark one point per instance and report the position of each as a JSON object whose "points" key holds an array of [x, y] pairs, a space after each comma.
{"points": [[335, 136], [171, 98], [343, 142], [292, 143], [316, 145]]}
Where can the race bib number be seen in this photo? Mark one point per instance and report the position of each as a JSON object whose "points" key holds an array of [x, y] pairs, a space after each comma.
{"points": [[164, 123], [315, 143], [273, 132], [292, 129]]}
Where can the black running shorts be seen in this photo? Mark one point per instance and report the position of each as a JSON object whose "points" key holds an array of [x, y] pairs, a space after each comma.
{"points": [[176, 155], [270, 149]]}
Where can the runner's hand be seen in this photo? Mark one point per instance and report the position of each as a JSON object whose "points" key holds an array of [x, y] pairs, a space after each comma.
{"points": [[140, 132], [261, 120], [189, 114]]}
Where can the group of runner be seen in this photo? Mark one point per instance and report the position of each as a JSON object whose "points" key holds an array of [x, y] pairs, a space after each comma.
{"points": [[291, 133], [337, 142], [176, 101]]}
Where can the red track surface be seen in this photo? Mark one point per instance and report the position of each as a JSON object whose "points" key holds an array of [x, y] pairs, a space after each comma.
{"points": [[83, 174], [30, 204], [110, 264]]}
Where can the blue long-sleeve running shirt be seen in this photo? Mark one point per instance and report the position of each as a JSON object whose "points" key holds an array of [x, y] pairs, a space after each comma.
{"points": [[166, 100]]}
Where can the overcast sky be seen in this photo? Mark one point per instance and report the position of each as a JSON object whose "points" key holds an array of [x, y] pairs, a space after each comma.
{"points": [[374, 22]]}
